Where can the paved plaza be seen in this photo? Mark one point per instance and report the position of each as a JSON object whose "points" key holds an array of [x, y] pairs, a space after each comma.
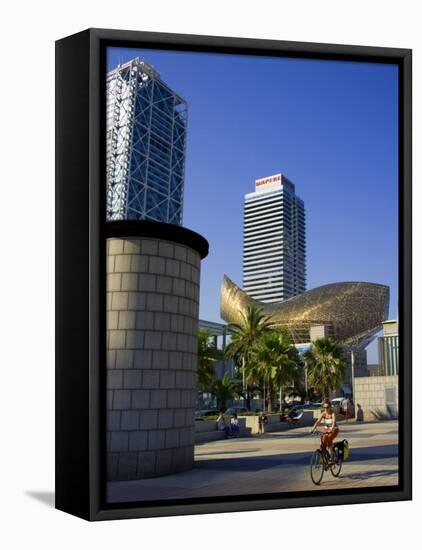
{"points": [[273, 463]]}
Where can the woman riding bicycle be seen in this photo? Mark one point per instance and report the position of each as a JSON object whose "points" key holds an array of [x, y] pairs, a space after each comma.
{"points": [[328, 418]]}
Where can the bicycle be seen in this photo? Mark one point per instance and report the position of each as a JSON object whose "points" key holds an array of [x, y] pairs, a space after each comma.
{"points": [[320, 462]]}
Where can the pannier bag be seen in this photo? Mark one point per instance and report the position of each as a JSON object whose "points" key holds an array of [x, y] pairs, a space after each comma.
{"points": [[342, 449]]}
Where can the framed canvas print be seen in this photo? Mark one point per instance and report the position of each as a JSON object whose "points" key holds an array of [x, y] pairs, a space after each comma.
{"points": [[233, 274]]}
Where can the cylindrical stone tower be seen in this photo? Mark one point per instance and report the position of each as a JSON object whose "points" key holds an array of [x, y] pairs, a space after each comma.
{"points": [[153, 274]]}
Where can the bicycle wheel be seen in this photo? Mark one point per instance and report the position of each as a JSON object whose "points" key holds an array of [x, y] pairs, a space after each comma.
{"points": [[336, 467], [317, 467]]}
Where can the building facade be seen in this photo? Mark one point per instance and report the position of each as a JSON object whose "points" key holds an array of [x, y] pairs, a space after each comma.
{"points": [[146, 139], [388, 348], [274, 241]]}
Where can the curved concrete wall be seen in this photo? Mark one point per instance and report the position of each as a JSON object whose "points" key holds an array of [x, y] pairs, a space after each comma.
{"points": [[152, 322]]}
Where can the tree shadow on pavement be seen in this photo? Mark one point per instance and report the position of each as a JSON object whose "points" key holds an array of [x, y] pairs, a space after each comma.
{"points": [[370, 474]]}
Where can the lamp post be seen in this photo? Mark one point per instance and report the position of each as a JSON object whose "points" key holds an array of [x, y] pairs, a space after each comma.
{"points": [[352, 357]]}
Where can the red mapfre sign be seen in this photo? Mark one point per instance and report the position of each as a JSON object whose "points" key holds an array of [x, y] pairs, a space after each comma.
{"points": [[269, 180]]}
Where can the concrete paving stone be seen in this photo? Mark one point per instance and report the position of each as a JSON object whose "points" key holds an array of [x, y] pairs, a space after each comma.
{"points": [[124, 359], [167, 379], [189, 290], [155, 302], [163, 462], [115, 246], [166, 419], [157, 265], [111, 359], [164, 284], [144, 320], [113, 420], [186, 436], [162, 321], [110, 264], [139, 264], [130, 281], [138, 440], [112, 465], [132, 246], [132, 379], [150, 247], [176, 360], [140, 399], [117, 339], [152, 340], [122, 263], [172, 268], [195, 273], [109, 399], [113, 282], [177, 323], [181, 380], [129, 420], [171, 304], [158, 399], [121, 399], [174, 398], [143, 359], [178, 459], [166, 249], [114, 379], [170, 341], [146, 463], [179, 418], [119, 300], [178, 287], [192, 343], [182, 342], [189, 416], [146, 282], [148, 420], [193, 257], [150, 379], [185, 271], [136, 301], [160, 359], [180, 253], [172, 438], [126, 319], [156, 439], [127, 465], [112, 320], [134, 339], [119, 441]]}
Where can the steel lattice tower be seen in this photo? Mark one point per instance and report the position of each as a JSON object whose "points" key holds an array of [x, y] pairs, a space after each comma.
{"points": [[146, 142]]}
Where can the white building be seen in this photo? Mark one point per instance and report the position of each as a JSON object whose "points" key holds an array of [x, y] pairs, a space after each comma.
{"points": [[274, 246]]}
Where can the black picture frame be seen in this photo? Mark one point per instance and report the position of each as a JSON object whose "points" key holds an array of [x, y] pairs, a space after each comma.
{"points": [[80, 274]]}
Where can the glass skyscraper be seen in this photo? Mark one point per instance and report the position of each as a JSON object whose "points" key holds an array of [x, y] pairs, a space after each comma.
{"points": [[146, 139], [274, 242]]}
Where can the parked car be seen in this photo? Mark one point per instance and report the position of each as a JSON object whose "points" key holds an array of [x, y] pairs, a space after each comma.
{"points": [[206, 412], [309, 406], [237, 410]]}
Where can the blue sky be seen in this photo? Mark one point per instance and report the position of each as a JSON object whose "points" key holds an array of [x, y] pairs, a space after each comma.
{"points": [[331, 127]]}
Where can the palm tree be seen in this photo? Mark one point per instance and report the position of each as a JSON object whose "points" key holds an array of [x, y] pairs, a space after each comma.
{"points": [[223, 390], [244, 336], [208, 354], [325, 366], [277, 358]]}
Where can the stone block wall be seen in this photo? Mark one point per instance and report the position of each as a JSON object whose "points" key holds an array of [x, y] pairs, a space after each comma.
{"points": [[376, 397], [152, 323]]}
